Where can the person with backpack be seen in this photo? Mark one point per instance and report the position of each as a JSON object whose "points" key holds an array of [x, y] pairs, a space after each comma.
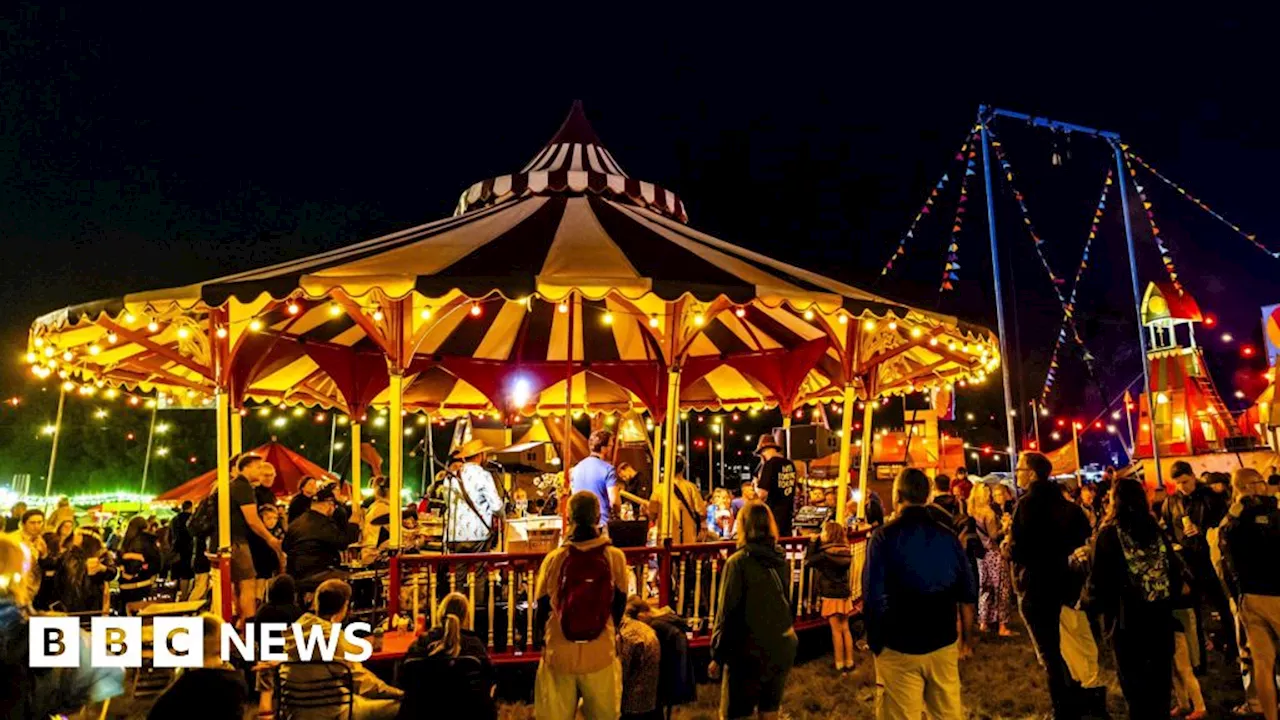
{"points": [[581, 591], [1132, 584], [753, 640], [447, 671], [829, 555]]}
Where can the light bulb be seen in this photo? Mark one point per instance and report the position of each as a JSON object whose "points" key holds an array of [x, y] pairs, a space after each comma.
{"points": [[377, 315], [698, 319], [183, 333], [294, 308], [334, 310], [869, 325], [94, 350], [808, 314], [475, 310], [112, 338], [562, 308], [843, 319], [425, 314], [255, 325], [653, 321], [221, 332], [740, 312], [153, 326], [608, 318]]}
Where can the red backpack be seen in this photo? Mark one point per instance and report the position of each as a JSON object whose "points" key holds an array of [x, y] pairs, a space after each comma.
{"points": [[586, 594]]}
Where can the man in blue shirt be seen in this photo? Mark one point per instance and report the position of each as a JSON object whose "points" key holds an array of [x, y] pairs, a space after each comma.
{"points": [[597, 475], [916, 579]]}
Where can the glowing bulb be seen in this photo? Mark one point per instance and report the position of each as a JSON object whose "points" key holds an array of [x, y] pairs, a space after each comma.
{"points": [[39, 342], [280, 421], [742, 312], [255, 325], [95, 350], [112, 338], [31, 358], [129, 318], [562, 308], [608, 318], [475, 310], [808, 314], [893, 324], [49, 351], [869, 325], [183, 333], [162, 428], [221, 332], [916, 332], [698, 319], [153, 326], [377, 316], [1227, 337], [1239, 394], [294, 308], [264, 412], [425, 314], [67, 356], [299, 412], [334, 310], [653, 321]]}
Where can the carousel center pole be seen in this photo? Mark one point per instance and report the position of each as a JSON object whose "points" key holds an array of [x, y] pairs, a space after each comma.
{"points": [[567, 451], [333, 436], [995, 274], [669, 449], [356, 497], [846, 453], [222, 408]]}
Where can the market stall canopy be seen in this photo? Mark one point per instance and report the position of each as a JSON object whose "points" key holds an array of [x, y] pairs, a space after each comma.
{"points": [[291, 470], [568, 286]]}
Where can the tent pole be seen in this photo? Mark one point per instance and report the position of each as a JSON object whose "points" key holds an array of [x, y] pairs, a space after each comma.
{"points": [[1137, 306], [846, 448], [659, 430], [669, 450], [567, 453], [333, 437], [237, 432], [222, 408], [786, 429], [146, 461], [864, 464], [356, 497], [397, 455], [53, 451], [995, 274]]}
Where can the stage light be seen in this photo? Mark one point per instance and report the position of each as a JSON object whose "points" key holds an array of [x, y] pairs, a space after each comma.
{"points": [[521, 390]]}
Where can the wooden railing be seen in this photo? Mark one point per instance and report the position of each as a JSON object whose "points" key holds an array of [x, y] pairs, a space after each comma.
{"points": [[500, 586]]}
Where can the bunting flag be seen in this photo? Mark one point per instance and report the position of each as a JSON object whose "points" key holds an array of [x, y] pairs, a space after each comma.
{"points": [[926, 208], [951, 267], [1055, 281], [1198, 202], [1166, 255], [1068, 315]]}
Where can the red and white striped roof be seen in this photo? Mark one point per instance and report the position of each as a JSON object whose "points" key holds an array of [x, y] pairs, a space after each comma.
{"points": [[575, 161]]}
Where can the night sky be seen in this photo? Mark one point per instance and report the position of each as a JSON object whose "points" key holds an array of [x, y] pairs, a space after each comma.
{"points": [[143, 151]]}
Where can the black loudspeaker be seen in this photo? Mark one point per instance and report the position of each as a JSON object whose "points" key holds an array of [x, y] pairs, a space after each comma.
{"points": [[808, 442], [629, 533], [1239, 443]]}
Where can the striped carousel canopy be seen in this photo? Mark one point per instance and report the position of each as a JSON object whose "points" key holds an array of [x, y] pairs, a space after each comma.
{"points": [[567, 286]]}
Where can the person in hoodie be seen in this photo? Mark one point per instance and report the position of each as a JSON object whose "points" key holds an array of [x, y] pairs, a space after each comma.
{"points": [[374, 699], [1250, 542], [916, 581], [587, 670], [753, 639], [829, 555]]}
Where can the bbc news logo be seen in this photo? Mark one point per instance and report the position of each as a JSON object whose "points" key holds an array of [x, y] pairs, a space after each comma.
{"points": [[178, 642]]}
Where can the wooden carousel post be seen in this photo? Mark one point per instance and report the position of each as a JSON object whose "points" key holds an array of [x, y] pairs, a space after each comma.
{"points": [[396, 392], [237, 431], [355, 460], [864, 464], [846, 453], [672, 418]]}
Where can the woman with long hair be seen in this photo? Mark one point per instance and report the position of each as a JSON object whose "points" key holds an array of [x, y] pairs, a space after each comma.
{"points": [[753, 639], [139, 562], [84, 570], [995, 586], [447, 672], [1132, 584]]}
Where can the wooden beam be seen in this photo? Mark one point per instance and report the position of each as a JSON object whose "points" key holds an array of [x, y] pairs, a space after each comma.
{"points": [[167, 353]]}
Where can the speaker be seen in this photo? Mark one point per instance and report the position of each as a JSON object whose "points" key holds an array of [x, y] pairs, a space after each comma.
{"points": [[808, 442], [629, 533]]}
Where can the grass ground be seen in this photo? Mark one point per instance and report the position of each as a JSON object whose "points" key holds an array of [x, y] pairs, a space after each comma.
{"points": [[1002, 681]]}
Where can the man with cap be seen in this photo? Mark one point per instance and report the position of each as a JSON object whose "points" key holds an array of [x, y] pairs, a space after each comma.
{"points": [[776, 482], [314, 542], [473, 496]]}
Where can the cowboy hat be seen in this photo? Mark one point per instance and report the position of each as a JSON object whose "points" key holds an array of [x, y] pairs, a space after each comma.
{"points": [[472, 448], [766, 441]]}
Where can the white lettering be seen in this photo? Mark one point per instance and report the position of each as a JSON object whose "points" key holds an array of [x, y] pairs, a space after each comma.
{"points": [[179, 642], [243, 645], [54, 642], [116, 642], [271, 646], [349, 633], [314, 639]]}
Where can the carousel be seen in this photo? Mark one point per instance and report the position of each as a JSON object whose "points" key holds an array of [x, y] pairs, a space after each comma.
{"points": [[566, 288]]}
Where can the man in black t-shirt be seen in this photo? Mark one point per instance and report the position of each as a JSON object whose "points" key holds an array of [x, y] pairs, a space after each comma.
{"points": [[245, 521], [776, 482]]}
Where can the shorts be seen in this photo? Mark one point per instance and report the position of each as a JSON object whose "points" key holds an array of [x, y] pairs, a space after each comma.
{"points": [[241, 562]]}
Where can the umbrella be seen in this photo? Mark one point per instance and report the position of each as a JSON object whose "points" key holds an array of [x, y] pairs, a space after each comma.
{"points": [[291, 470]]}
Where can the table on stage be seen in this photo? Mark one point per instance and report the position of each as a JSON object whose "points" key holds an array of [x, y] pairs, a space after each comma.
{"points": [[394, 646]]}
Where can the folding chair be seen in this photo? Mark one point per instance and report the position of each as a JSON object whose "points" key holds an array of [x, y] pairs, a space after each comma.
{"points": [[304, 687]]}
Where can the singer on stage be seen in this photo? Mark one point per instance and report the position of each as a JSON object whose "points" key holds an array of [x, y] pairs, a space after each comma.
{"points": [[473, 502]]}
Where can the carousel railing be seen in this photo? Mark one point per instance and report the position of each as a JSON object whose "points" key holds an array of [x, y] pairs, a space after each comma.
{"points": [[499, 586]]}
